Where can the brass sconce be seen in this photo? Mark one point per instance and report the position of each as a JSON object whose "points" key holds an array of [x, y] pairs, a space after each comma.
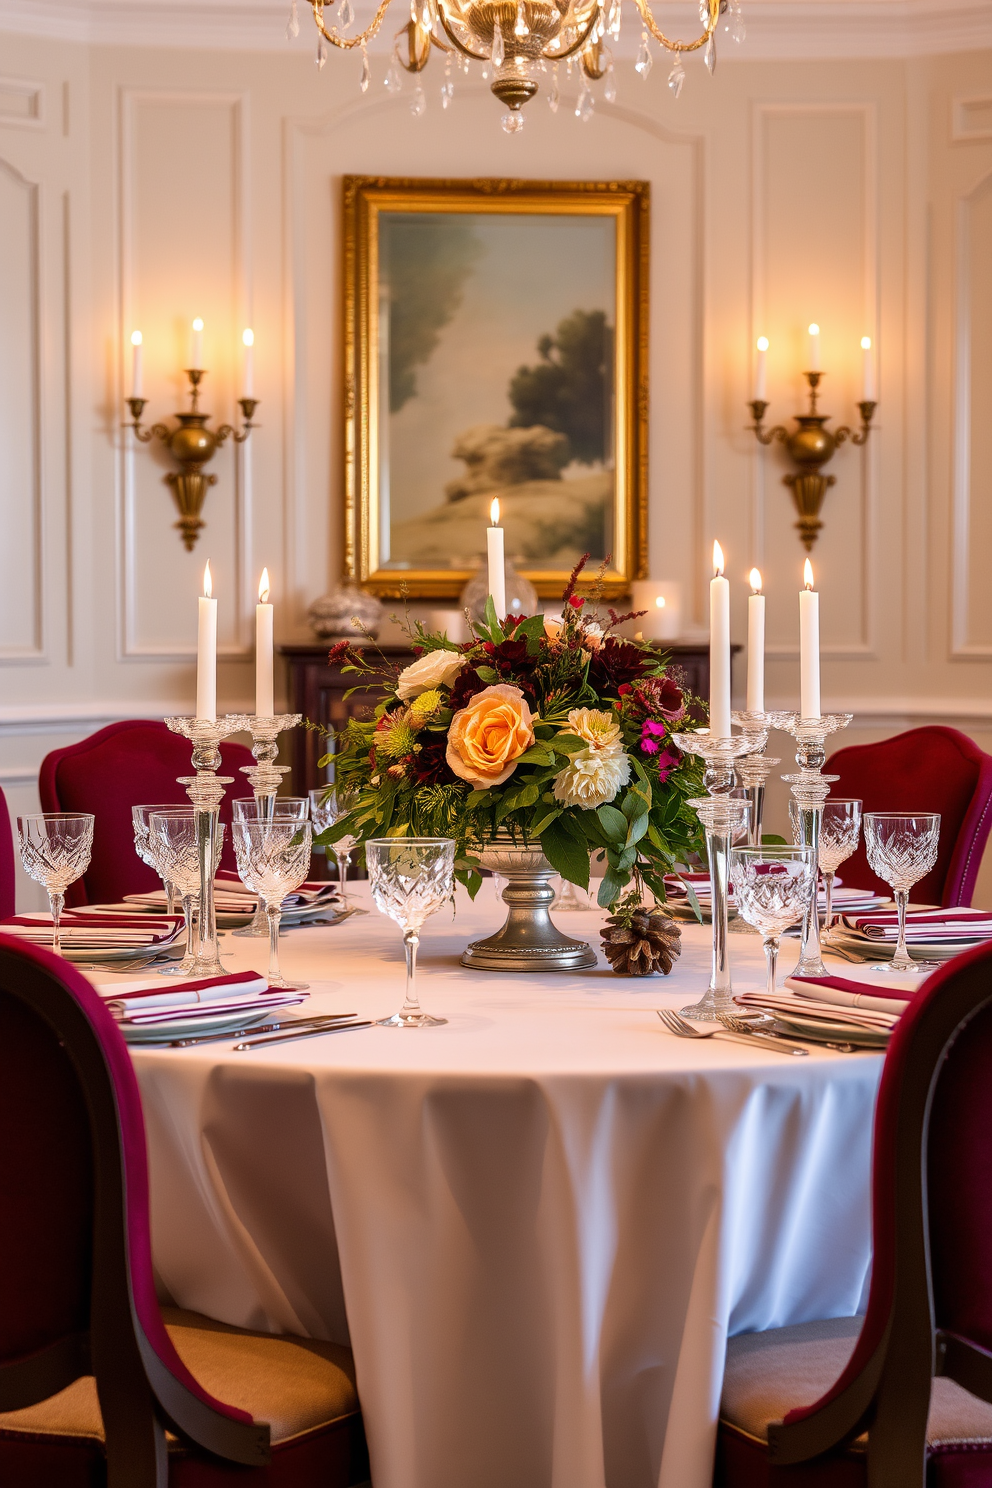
{"points": [[810, 446], [192, 445]]}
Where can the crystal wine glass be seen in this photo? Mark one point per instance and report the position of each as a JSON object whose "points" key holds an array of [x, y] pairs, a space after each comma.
{"points": [[772, 886], [266, 808], [902, 848], [55, 851], [412, 877], [146, 848], [273, 859], [329, 804], [173, 834], [839, 833]]}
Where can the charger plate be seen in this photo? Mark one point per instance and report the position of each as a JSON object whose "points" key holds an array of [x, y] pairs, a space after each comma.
{"points": [[884, 950], [831, 1033], [178, 1028]]}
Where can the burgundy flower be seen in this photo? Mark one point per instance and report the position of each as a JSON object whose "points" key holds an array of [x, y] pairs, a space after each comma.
{"points": [[576, 601], [615, 663], [429, 766], [466, 685], [658, 697]]}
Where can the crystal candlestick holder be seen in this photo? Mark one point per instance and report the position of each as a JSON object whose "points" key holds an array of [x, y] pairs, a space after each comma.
{"points": [[721, 815], [266, 777], [811, 788], [206, 790], [754, 769]]}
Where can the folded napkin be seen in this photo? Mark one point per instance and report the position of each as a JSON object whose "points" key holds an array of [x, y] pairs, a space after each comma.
{"points": [[82, 929], [846, 992], [233, 898], [922, 925], [821, 1010], [197, 1011], [314, 891], [148, 992]]}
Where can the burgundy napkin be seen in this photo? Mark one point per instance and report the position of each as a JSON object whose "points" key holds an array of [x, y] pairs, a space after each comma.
{"points": [[846, 992], [195, 1011], [141, 995]]}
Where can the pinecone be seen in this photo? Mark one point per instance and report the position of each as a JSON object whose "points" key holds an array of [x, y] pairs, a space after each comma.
{"points": [[641, 942]]}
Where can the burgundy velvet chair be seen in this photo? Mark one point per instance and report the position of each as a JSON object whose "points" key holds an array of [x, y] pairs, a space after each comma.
{"points": [[98, 1385], [903, 1397], [8, 868], [926, 769], [125, 765]]}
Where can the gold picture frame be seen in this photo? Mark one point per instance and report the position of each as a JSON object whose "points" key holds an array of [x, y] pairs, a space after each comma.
{"points": [[381, 550]]}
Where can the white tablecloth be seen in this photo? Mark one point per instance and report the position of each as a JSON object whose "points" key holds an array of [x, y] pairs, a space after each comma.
{"points": [[536, 1225]]}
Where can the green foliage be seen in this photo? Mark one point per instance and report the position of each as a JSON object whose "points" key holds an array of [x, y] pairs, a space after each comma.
{"points": [[570, 388]]}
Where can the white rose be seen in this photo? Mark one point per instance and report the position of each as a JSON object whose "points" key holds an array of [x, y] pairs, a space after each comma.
{"points": [[434, 669], [591, 779]]}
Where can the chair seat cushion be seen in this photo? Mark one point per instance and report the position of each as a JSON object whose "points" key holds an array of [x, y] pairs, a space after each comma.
{"points": [[299, 1386], [769, 1374]]}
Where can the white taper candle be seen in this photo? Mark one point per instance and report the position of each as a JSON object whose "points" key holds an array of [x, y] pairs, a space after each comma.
{"points": [[264, 683], [206, 651], [196, 345], [761, 369], [497, 567], [813, 356], [756, 646], [809, 647], [719, 649], [136, 368], [249, 379], [867, 370]]}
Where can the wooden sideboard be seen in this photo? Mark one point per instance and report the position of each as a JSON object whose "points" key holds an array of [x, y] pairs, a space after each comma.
{"points": [[318, 692]]}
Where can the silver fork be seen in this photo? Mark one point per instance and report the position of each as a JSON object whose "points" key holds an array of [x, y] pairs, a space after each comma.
{"points": [[682, 1029], [740, 1025]]}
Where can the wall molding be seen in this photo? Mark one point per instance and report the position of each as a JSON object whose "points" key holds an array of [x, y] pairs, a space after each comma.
{"points": [[31, 113], [961, 646], [86, 718], [776, 29]]}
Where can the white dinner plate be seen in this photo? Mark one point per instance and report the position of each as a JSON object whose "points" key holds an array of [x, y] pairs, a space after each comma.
{"points": [[884, 950], [831, 1033], [178, 1028], [85, 954]]}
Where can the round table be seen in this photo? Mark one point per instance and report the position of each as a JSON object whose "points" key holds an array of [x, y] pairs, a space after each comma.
{"points": [[536, 1225]]}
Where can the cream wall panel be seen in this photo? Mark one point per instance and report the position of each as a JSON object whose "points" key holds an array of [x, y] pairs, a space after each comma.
{"points": [[21, 593], [972, 595], [183, 253]]}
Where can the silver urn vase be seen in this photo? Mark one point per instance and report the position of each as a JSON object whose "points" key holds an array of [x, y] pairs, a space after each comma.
{"points": [[528, 940]]}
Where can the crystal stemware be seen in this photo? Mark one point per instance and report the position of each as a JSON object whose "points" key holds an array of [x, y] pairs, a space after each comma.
{"points": [[902, 848], [772, 886], [266, 808], [55, 851], [273, 859], [412, 877], [840, 829], [146, 848], [329, 804], [173, 834]]}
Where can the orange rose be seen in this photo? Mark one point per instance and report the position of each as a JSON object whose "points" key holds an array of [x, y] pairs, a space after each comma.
{"points": [[488, 736]]}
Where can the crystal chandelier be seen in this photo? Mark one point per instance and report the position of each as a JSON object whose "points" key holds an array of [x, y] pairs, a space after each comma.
{"points": [[515, 41]]}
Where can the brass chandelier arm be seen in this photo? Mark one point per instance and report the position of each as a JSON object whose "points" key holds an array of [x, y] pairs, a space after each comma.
{"points": [[348, 43], [458, 45], [679, 46], [576, 45], [859, 436], [780, 432]]}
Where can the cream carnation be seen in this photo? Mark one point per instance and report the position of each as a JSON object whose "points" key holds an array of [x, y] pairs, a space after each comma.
{"points": [[433, 669], [592, 778], [599, 729]]}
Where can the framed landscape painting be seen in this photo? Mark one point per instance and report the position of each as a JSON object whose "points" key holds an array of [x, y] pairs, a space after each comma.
{"points": [[495, 347]]}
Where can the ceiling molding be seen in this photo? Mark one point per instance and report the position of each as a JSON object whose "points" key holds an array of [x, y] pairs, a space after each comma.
{"points": [[777, 30]]}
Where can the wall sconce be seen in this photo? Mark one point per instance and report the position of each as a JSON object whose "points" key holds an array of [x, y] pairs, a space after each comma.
{"points": [[192, 445], [811, 446]]}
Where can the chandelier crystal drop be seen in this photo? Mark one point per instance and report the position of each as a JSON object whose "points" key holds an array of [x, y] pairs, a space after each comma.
{"points": [[518, 42], [293, 24], [366, 77]]}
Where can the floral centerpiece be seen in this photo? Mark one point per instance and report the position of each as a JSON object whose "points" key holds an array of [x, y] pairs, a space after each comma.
{"points": [[555, 731]]}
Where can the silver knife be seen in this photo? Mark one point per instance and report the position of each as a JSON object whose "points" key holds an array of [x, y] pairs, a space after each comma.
{"points": [[284, 1038], [233, 1033]]}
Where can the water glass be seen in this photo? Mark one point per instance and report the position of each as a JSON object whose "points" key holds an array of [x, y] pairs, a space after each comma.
{"points": [[273, 859], [55, 851], [173, 836], [265, 808], [412, 878], [146, 849], [329, 804], [773, 887], [902, 849], [839, 833]]}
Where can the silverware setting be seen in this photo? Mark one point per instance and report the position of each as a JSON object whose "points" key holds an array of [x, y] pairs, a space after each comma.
{"points": [[286, 1037], [294, 1024], [741, 1025], [681, 1029]]}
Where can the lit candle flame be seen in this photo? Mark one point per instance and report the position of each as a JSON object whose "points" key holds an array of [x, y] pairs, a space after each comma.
{"points": [[808, 574], [814, 329], [718, 560], [249, 337], [198, 324], [866, 343], [762, 343], [135, 338], [208, 583], [263, 587], [660, 602], [755, 577], [494, 512]]}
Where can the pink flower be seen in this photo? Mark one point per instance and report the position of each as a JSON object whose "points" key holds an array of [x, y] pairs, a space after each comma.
{"points": [[651, 735], [668, 760]]}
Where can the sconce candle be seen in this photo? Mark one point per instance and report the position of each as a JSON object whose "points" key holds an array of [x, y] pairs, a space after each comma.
{"points": [[206, 651], [264, 690], [196, 345], [756, 646], [809, 647], [719, 649], [249, 382], [867, 370], [136, 369], [813, 358], [497, 570], [760, 369]]}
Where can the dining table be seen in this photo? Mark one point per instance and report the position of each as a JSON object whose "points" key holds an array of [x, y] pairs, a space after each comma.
{"points": [[535, 1225]]}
